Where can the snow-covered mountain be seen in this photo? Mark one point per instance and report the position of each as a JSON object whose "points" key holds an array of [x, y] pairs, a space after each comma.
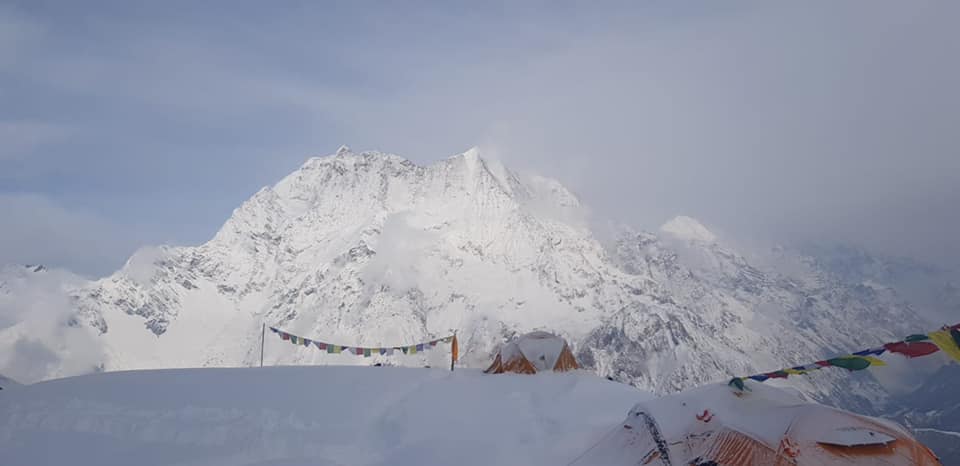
{"points": [[933, 291], [372, 249]]}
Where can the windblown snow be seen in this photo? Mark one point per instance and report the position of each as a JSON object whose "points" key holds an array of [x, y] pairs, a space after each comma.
{"points": [[286, 416], [370, 249]]}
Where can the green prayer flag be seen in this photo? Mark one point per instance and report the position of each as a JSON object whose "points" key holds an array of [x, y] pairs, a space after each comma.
{"points": [[916, 337], [737, 383], [366, 352], [853, 363], [294, 339], [330, 348]]}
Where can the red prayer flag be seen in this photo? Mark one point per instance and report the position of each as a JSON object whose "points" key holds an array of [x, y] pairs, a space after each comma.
{"points": [[912, 350]]}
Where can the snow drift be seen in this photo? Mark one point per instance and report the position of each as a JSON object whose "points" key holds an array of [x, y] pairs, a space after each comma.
{"points": [[309, 415]]}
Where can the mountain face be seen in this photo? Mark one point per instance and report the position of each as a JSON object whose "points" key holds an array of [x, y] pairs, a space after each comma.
{"points": [[933, 291], [370, 249], [933, 409]]}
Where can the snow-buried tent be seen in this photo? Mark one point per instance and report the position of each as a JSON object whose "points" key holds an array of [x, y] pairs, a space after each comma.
{"points": [[716, 425], [534, 352]]}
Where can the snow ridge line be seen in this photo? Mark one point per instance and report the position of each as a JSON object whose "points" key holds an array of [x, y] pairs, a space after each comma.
{"points": [[944, 432]]}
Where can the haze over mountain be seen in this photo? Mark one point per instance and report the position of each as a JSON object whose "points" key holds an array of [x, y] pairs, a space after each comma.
{"points": [[134, 124], [371, 249]]}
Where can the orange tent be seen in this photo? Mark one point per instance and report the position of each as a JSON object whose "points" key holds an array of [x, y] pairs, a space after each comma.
{"points": [[532, 353], [715, 425]]}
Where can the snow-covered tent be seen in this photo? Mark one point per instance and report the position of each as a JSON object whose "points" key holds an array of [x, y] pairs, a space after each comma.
{"points": [[717, 425], [534, 352]]}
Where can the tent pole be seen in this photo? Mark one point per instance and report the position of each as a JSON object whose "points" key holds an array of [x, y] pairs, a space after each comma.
{"points": [[263, 334]]}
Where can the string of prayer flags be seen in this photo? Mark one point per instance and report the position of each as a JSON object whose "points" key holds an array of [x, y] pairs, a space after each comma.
{"points": [[331, 348], [946, 339]]}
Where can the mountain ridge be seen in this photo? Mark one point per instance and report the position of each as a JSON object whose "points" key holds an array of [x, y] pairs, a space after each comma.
{"points": [[367, 248]]}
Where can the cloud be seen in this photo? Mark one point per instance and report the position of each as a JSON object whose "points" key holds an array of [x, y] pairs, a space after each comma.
{"points": [[39, 231], [39, 338], [19, 139], [400, 251], [817, 121], [17, 32]]}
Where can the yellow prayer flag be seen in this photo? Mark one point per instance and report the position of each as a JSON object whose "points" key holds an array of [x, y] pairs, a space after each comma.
{"points": [[944, 341], [875, 361]]}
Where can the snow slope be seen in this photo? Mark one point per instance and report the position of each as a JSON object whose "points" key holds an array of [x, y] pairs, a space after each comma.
{"points": [[370, 249], [309, 415], [6, 382]]}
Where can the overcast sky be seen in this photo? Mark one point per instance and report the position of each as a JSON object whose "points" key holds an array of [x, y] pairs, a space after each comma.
{"points": [[123, 125]]}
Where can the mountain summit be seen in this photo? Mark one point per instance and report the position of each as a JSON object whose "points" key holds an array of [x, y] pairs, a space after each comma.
{"points": [[371, 249], [686, 228]]}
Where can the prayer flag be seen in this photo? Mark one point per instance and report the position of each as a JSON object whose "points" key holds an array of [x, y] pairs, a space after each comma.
{"points": [[737, 383], [945, 341], [851, 363], [872, 351], [454, 348], [912, 350], [874, 361]]}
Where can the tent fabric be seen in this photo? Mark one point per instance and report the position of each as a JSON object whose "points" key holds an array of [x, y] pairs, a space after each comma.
{"points": [[715, 425], [534, 352]]}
